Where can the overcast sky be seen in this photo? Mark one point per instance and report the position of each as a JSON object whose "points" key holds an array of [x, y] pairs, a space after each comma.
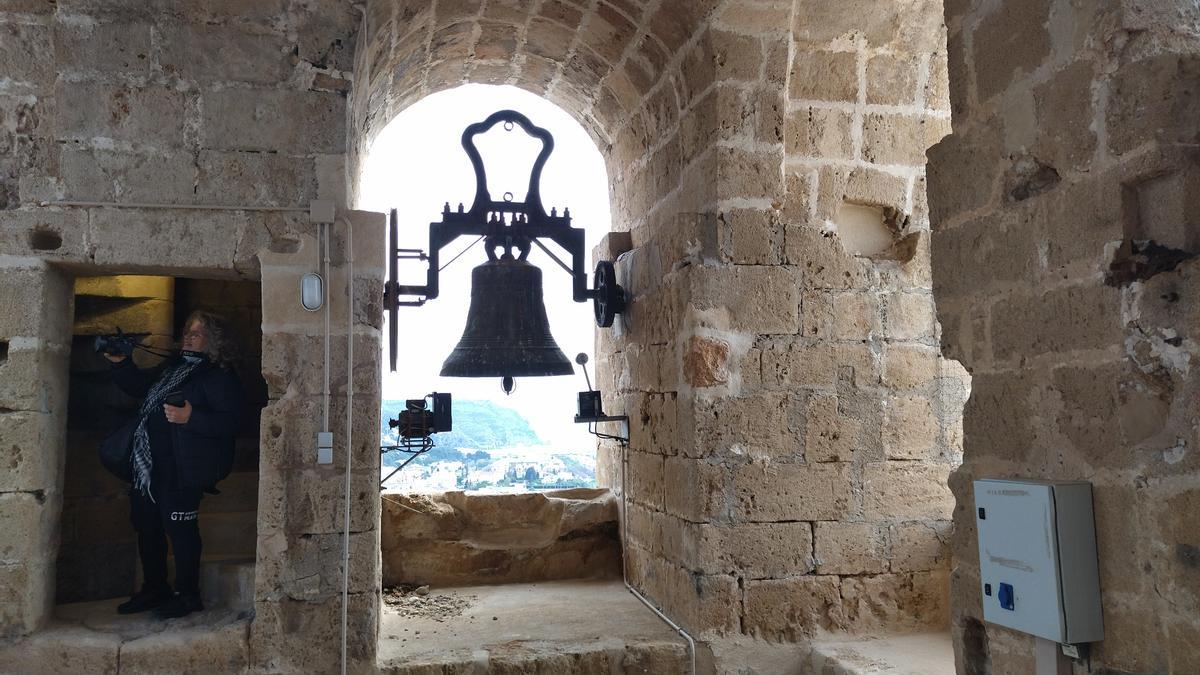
{"points": [[416, 165]]}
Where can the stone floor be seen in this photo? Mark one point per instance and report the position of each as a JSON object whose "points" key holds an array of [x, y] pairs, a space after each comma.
{"points": [[90, 637], [577, 627], [916, 654]]}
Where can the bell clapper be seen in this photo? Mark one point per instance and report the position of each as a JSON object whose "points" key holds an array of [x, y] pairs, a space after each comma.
{"points": [[507, 384]]}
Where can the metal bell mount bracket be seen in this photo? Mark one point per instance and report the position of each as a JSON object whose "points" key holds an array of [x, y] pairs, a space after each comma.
{"points": [[505, 223]]}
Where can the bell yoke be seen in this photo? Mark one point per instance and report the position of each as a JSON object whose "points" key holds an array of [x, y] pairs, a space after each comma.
{"points": [[507, 334]]}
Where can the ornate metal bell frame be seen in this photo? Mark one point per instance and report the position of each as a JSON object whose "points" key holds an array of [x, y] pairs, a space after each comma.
{"points": [[510, 226]]}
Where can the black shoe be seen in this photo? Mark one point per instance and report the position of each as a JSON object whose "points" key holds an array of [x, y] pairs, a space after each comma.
{"points": [[180, 605], [145, 600]]}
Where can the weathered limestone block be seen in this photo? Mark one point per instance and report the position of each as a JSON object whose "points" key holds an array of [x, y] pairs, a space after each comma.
{"points": [[752, 175], [151, 114], [309, 566], [254, 178], [856, 316], [26, 597], [237, 119], [910, 428], [909, 367], [756, 426], [824, 76], [749, 299], [23, 54], [891, 79], [654, 424], [850, 548], [463, 539], [900, 139], [775, 492], [1017, 27], [791, 365], [794, 608], [755, 550], [293, 364], [697, 489], [829, 435], [26, 451], [896, 602], [295, 636], [919, 546], [207, 53], [820, 132], [1137, 111], [36, 304], [311, 501], [88, 652], [198, 649], [751, 237], [1064, 319], [823, 262], [909, 316], [174, 242], [49, 233], [906, 490], [646, 478]]}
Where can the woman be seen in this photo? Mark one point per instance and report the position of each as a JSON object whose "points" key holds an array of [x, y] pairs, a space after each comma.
{"points": [[183, 445]]}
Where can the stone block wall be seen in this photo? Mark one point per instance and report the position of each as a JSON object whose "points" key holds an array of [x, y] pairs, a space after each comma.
{"points": [[793, 424], [211, 104], [1064, 253]]}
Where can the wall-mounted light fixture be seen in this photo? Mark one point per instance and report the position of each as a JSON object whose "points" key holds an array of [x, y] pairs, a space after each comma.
{"points": [[312, 291]]}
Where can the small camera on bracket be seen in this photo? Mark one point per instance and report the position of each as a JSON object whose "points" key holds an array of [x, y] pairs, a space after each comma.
{"points": [[418, 421]]}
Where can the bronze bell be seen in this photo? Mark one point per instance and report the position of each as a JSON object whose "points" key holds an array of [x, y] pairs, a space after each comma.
{"points": [[507, 334]]}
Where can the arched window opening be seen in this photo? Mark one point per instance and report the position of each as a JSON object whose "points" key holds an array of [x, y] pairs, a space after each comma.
{"points": [[499, 443]]}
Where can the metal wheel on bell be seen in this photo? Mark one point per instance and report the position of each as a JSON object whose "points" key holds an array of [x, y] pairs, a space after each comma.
{"points": [[608, 298]]}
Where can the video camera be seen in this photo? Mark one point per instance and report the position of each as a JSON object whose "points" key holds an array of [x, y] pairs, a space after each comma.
{"points": [[417, 421], [119, 343]]}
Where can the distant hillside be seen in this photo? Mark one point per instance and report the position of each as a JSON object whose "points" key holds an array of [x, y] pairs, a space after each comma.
{"points": [[477, 425]]}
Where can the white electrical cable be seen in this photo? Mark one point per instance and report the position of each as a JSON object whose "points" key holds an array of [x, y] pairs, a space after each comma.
{"points": [[198, 207], [325, 283], [625, 563], [349, 429]]}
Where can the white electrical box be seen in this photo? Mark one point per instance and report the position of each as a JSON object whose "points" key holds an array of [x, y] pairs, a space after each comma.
{"points": [[324, 447], [1038, 570]]}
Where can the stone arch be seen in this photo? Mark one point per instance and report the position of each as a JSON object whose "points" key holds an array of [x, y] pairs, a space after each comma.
{"points": [[759, 361]]}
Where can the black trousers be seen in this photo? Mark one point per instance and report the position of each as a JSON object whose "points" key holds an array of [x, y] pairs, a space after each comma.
{"points": [[173, 514]]}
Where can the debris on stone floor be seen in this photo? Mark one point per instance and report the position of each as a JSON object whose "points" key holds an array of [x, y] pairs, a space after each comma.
{"points": [[418, 601]]}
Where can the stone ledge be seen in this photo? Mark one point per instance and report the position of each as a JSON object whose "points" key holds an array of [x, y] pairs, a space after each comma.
{"points": [[455, 538]]}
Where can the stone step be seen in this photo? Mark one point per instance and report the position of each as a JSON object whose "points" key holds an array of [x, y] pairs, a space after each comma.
{"points": [[578, 627], [228, 583]]}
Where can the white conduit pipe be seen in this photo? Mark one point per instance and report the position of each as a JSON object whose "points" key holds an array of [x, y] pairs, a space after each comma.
{"points": [[349, 429], [625, 565], [328, 311]]}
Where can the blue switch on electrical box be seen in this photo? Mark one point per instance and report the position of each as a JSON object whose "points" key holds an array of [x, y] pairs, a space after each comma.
{"points": [[1005, 596]]}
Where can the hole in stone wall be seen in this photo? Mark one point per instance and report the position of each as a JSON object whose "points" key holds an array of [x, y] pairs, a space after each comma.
{"points": [[3, 351], [41, 239], [1029, 177], [95, 522], [875, 232]]}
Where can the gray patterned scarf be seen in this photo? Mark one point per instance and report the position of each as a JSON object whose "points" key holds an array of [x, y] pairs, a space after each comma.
{"points": [[143, 462]]}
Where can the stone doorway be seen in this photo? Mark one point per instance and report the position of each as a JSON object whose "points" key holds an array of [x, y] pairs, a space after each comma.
{"points": [[95, 516]]}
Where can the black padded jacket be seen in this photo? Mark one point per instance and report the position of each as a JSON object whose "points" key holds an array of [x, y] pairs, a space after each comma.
{"points": [[203, 447]]}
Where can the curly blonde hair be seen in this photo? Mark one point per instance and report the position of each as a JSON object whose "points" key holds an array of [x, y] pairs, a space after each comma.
{"points": [[221, 350]]}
